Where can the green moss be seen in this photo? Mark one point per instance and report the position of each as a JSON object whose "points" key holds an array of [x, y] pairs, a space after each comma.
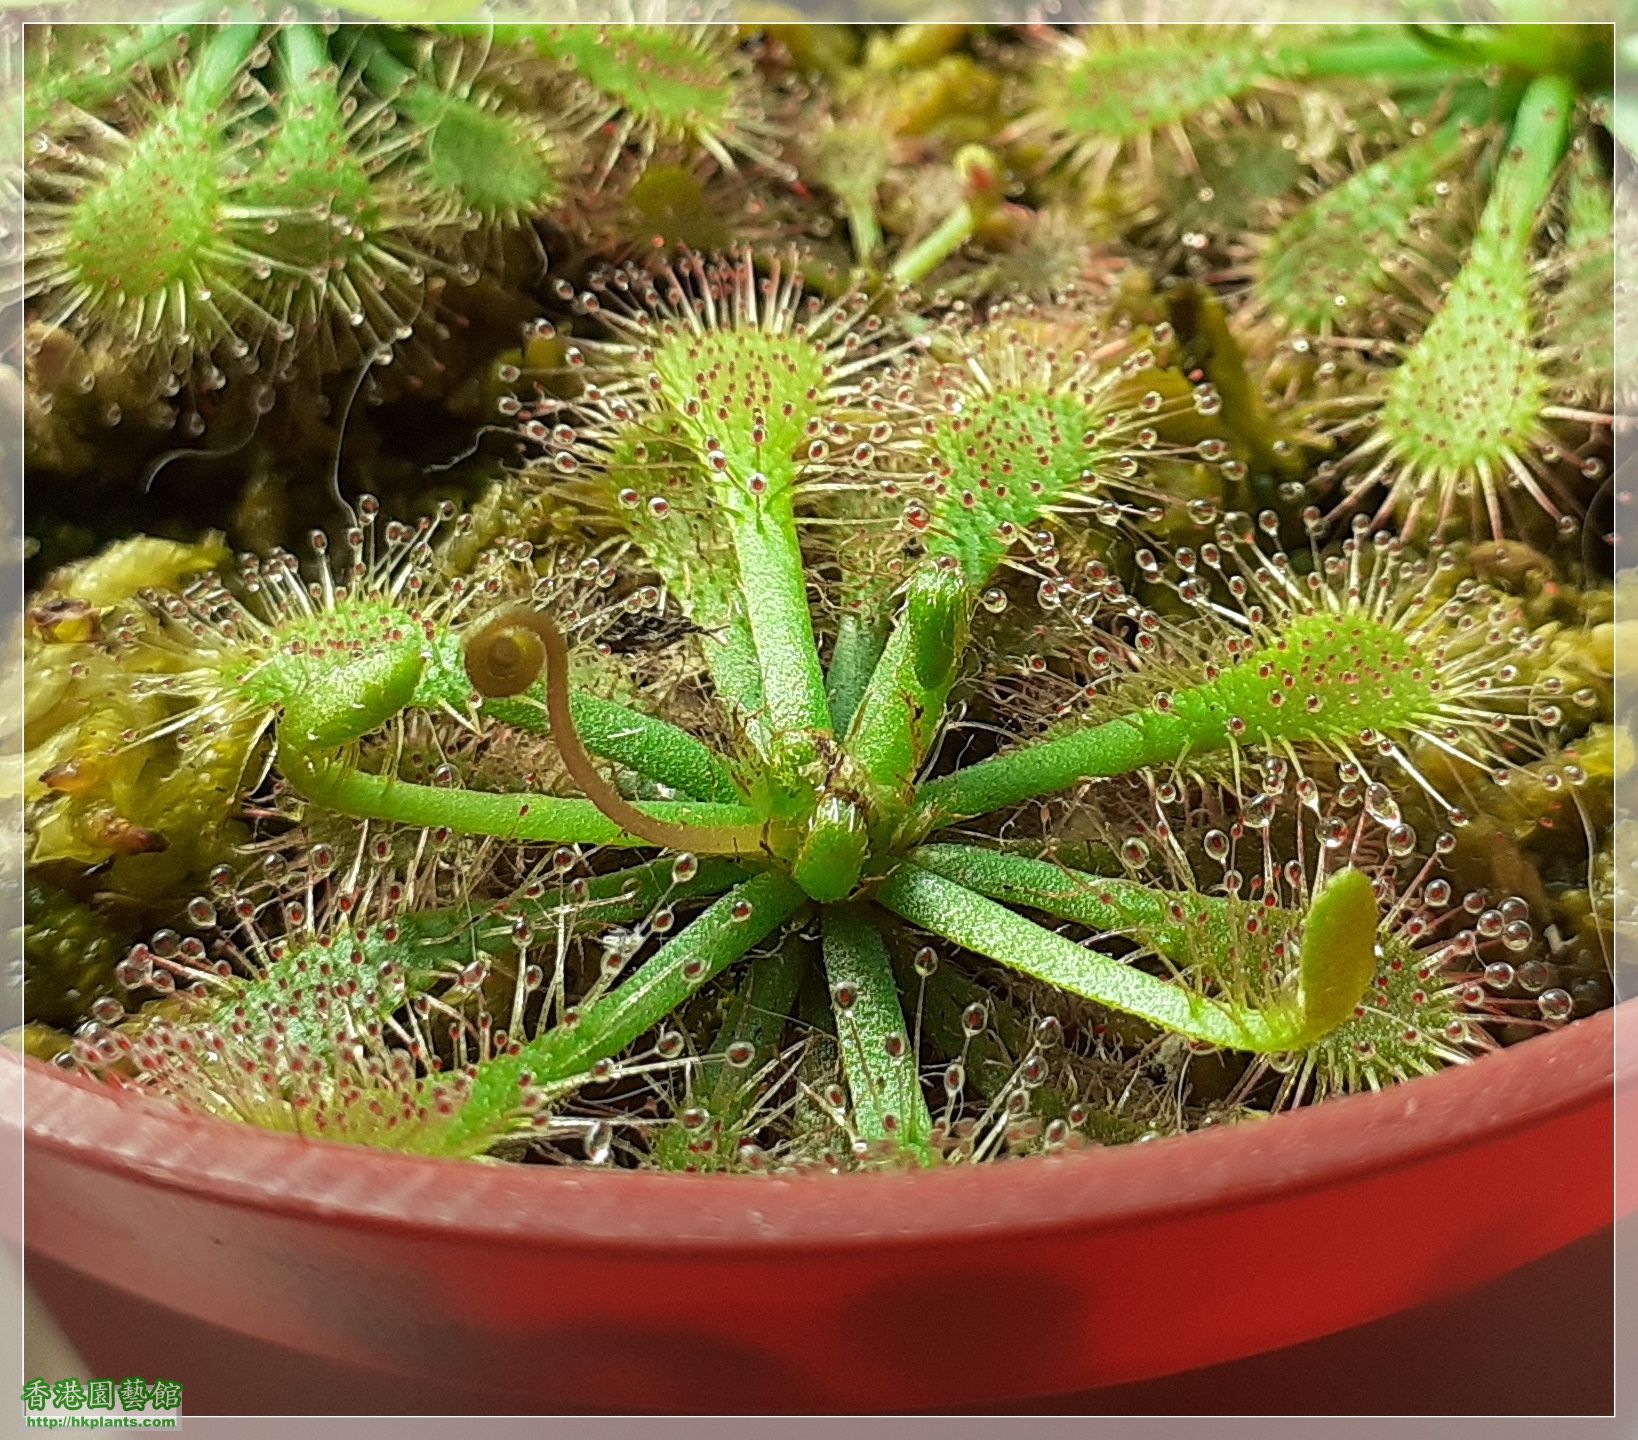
{"points": [[69, 955]]}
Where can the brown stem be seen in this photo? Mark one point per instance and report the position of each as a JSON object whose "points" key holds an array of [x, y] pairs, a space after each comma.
{"points": [[502, 661]]}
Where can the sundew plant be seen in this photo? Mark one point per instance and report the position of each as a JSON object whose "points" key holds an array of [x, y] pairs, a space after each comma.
{"points": [[764, 597]]}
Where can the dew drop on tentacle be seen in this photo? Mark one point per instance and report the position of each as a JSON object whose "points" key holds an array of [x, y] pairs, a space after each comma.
{"points": [[1555, 1004]]}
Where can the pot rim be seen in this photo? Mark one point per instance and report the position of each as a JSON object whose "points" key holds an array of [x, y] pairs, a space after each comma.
{"points": [[1544, 1079]]}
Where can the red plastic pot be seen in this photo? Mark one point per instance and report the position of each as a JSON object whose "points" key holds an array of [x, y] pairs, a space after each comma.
{"points": [[267, 1273]]}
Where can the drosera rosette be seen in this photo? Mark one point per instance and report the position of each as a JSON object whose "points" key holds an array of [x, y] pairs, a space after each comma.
{"points": [[252, 198], [130, 232], [1470, 430], [744, 372], [894, 675]]}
